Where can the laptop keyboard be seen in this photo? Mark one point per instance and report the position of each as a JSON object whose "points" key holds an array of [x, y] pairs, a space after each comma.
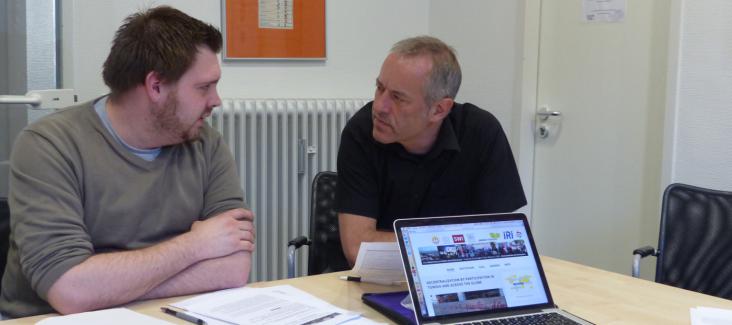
{"points": [[538, 319]]}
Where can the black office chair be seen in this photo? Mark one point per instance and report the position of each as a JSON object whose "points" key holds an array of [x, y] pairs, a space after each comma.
{"points": [[695, 241], [4, 235], [325, 254]]}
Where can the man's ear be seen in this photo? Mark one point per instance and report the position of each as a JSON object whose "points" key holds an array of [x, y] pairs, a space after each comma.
{"points": [[155, 88], [441, 108]]}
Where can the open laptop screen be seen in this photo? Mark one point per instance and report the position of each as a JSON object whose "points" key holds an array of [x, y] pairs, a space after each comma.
{"points": [[472, 264]]}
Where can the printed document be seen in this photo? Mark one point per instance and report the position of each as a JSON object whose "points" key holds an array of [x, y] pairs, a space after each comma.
{"points": [[273, 305], [710, 316], [112, 316], [379, 262]]}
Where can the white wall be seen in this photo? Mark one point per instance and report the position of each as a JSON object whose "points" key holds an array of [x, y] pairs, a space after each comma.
{"points": [[358, 36], [487, 35], [699, 127]]}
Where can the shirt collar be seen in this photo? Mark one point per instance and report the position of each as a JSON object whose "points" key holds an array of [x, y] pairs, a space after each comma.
{"points": [[446, 141]]}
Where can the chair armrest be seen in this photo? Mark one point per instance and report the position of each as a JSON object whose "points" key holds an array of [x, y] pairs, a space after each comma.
{"points": [[638, 254], [292, 245], [299, 241], [645, 251]]}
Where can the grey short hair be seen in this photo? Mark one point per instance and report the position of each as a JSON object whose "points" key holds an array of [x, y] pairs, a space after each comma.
{"points": [[445, 77]]}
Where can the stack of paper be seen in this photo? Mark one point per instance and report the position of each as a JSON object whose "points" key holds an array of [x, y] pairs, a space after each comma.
{"points": [[710, 316], [379, 262], [273, 305], [112, 316]]}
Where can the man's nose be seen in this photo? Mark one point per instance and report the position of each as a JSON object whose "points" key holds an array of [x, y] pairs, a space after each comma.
{"points": [[216, 100], [383, 105]]}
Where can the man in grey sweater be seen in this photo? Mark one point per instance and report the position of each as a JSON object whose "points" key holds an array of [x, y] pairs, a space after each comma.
{"points": [[132, 195]]}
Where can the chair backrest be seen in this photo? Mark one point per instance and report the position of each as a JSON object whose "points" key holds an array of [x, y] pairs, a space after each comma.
{"points": [[325, 253], [695, 242], [4, 235]]}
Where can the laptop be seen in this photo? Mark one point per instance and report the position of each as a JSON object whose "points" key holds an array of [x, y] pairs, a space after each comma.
{"points": [[476, 268]]}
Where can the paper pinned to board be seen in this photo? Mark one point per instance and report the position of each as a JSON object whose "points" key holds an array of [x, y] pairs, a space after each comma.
{"points": [[603, 11], [380, 263], [710, 316], [114, 316]]}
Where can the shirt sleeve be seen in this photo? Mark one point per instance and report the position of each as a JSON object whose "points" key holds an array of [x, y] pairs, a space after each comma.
{"points": [[223, 190], [357, 188], [47, 211], [499, 187]]}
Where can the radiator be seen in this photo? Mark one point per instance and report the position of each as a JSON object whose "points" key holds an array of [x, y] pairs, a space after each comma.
{"points": [[279, 146]]}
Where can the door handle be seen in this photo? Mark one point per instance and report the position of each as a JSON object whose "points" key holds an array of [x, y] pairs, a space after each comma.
{"points": [[544, 127], [33, 100], [545, 113], [43, 99]]}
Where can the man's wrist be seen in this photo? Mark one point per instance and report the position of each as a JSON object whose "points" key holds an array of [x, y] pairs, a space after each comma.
{"points": [[186, 244]]}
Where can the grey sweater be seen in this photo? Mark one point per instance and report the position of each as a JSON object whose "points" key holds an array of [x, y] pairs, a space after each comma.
{"points": [[75, 191]]}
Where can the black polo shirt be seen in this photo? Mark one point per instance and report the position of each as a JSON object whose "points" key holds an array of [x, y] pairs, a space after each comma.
{"points": [[470, 169]]}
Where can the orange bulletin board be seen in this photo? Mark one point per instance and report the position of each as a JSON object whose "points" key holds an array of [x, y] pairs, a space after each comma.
{"points": [[279, 29]]}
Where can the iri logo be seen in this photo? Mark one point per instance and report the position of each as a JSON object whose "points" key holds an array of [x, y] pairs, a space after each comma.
{"points": [[458, 239], [435, 240], [507, 235]]}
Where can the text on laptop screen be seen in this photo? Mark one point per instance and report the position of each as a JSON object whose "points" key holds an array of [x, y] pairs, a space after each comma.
{"points": [[473, 267]]}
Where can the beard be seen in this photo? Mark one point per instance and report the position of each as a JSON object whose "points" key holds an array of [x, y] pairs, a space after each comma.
{"points": [[169, 124]]}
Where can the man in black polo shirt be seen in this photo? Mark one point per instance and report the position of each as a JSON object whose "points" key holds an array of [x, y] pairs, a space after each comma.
{"points": [[414, 152]]}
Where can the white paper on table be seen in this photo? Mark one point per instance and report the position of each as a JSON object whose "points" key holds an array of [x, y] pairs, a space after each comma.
{"points": [[379, 262], [114, 316], [280, 304], [710, 316], [363, 321]]}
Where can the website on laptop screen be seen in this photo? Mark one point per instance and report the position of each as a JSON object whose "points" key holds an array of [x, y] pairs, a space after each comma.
{"points": [[472, 267]]}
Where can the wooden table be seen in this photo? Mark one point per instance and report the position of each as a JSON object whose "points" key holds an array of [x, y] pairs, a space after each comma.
{"points": [[610, 298], [599, 296]]}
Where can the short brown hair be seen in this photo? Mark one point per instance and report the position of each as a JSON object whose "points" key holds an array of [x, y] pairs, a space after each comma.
{"points": [[160, 39], [445, 78]]}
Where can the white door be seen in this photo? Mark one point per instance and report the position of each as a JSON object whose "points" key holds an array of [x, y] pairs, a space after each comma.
{"points": [[596, 176]]}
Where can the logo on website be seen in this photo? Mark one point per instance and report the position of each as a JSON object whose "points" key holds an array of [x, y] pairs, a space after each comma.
{"points": [[435, 240], [508, 235], [519, 234], [458, 239], [495, 235]]}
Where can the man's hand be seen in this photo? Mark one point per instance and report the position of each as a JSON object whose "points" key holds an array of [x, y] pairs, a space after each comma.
{"points": [[355, 229], [225, 233]]}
